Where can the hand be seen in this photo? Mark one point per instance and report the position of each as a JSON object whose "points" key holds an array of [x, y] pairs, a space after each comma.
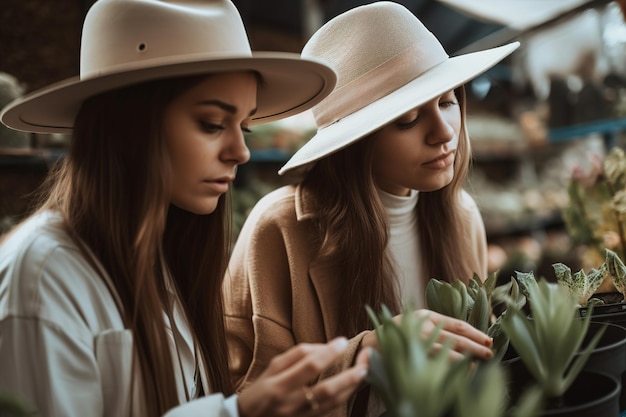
{"points": [[466, 339], [283, 388]]}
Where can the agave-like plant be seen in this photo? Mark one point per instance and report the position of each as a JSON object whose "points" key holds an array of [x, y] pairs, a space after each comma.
{"points": [[414, 377], [474, 303], [549, 342], [469, 303], [407, 372], [486, 396]]}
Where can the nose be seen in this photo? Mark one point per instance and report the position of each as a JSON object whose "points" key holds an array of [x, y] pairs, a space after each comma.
{"points": [[236, 150], [441, 127]]}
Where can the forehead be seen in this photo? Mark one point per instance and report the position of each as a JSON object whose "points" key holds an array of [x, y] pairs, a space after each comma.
{"points": [[235, 87]]}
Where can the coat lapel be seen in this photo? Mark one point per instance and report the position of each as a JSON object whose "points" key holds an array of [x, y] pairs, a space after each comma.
{"points": [[326, 284]]}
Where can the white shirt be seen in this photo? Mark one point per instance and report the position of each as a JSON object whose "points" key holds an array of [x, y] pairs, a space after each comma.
{"points": [[63, 346]]}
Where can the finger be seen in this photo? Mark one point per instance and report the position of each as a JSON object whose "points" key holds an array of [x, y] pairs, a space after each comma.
{"points": [[363, 358], [459, 327], [453, 355], [334, 391], [465, 345], [316, 358], [292, 356]]}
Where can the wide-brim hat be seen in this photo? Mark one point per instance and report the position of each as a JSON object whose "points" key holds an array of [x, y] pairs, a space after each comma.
{"points": [[520, 15], [387, 63], [126, 42]]}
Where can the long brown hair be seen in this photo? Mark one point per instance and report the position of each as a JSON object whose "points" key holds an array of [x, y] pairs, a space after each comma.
{"points": [[112, 190], [353, 228]]}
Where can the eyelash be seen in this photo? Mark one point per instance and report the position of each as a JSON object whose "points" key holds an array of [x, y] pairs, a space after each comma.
{"points": [[404, 126], [213, 128]]}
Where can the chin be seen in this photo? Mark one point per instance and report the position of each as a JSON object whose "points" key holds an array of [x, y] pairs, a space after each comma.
{"points": [[199, 209], [434, 185]]}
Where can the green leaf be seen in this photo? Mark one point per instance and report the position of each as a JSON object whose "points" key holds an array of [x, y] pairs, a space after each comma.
{"points": [[479, 316], [617, 271]]}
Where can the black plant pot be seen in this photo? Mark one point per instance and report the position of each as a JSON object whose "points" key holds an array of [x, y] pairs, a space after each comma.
{"points": [[591, 395], [613, 311], [608, 357]]}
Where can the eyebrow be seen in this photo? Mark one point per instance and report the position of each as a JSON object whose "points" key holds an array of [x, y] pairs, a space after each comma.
{"points": [[224, 106]]}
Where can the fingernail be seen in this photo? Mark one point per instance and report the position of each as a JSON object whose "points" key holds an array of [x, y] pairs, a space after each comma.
{"points": [[340, 343], [489, 342]]}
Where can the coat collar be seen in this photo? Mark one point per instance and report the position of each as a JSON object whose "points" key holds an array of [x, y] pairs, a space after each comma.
{"points": [[323, 276], [305, 204]]}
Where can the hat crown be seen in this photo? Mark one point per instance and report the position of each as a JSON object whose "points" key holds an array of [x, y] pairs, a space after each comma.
{"points": [[374, 49], [142, 32]]}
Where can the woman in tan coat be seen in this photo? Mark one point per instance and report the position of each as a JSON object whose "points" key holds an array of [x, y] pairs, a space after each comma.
{"points": [[380, 208], [110, 294]]}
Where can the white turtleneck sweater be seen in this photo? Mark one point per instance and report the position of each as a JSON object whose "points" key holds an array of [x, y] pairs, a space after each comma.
{"points": [[404, 249], [404, 245]]}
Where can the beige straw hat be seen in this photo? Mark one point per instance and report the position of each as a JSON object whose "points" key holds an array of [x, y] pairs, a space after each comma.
{"points": [[387, 63], [131, 41]]}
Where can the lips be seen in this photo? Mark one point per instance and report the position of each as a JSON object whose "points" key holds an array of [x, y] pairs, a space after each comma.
{"points": [[441, 162], [219, 185]]}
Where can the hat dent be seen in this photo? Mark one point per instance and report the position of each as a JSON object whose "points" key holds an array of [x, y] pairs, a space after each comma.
{"points": [[117, 34]]}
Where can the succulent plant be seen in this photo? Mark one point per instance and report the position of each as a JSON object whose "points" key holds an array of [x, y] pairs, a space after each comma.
{"points": [[486, 396], [407, 373], [582, 286], [474, 303], [549, 342], [415, 378]]}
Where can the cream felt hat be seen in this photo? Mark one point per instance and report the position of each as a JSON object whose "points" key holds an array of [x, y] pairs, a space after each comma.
{"points": [[387, 63], [126, 42]]}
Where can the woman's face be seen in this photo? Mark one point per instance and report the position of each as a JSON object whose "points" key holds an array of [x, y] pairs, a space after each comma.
{"points": [[417, 150], [204, 134]]}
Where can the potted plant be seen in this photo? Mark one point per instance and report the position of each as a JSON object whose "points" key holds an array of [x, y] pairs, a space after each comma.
{"points": [[609, 307], [476, 303], [583, 287], [414, 377], [595, 216], [549, 344]]}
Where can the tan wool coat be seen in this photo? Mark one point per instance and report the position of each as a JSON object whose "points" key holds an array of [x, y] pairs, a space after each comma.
{"points": [[277, 294]]}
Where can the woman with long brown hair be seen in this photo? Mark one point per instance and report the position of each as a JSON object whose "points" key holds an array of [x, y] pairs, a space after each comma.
{"points": [[110, 293], [380, 208]]}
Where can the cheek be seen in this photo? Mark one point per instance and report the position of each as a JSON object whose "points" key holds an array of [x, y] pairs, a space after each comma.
{"points": [[456, 123]]}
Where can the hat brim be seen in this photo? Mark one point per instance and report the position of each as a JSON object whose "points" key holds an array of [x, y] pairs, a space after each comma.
{"points": [[451, 73], [519, 15], [289, 86]]}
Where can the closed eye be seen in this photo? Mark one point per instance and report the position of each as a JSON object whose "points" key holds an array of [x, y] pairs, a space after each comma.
{"points": [[408, 125], [447, 104], [211, 127]]}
